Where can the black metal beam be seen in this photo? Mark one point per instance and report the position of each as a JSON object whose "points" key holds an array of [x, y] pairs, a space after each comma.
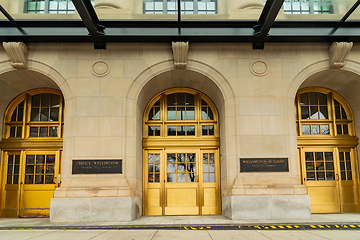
{"points": [[267, 17], [89, 17], [6, 14], [351, 10], [167, 31]]}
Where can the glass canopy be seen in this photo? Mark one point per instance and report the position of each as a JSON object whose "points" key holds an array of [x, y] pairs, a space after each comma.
{"points": [[255, 21]]}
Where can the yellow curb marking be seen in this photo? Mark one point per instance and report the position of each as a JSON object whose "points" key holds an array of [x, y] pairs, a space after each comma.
{"points": [[312, 226]]}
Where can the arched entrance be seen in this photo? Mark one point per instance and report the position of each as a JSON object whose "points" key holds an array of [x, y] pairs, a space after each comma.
{"points": [[31, 153], [181, 154], [327, 150]]}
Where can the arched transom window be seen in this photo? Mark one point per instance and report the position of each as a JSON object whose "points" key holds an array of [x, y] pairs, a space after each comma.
{"points": [[181, 113], [35, 114], [323, 112]]}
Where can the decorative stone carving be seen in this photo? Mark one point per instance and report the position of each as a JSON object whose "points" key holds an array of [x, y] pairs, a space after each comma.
{"points": [[180, 52], [339, 52], [100, 68], [259, 68], [17, 52]]}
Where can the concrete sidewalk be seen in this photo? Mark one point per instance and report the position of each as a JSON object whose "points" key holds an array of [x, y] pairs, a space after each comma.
{"points": [[320, 226]]}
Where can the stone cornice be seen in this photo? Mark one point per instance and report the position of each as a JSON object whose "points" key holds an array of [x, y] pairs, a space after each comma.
{"points": [[20, 144]]}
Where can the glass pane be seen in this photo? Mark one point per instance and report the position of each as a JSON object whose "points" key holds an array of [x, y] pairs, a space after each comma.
{"points": [[309, 156], [157, 177], [320, 176], [338, 129], [29, 169], [325, 129], [171, 157], [9, 179], [348, 166], [181, 168], [211, 130], [49, 179], [40, 159], [190, 130], [210, 114], [180, 99], [13, 116], [171, 130], [20, 114], [212, 177], [181, 177], [150, 167], [342, 165], [204, 130], [205, 157], [309, 166], [34, 114], [323, 112], [343, 113], [211, 155], [44, 114], [34, 131], [304, 112], [150, 131], [45, 101], [181, 157], [171, 113], [10, 169], [314, 112], [157, 158], [191, 177], [16, 169], [347, 156], [349, 176], [206, 177], [40, 169], [322, 99], [55, 100], [151, 114], [329, 175], [50, 159], [319, 166], [50, 169], [337, 112], [180, 113], [345, 129], [313, 98], [150, 158], [171, 167], [315, 129], [190, 113], [212, 167], [157, 131], [306, 129], [181, 130], [191, 167], [17, 159], [12, 131], [30, 159], [43, 132], [206, 167], [54, 114], [304, 99], [171, 99], [11, 159], [157, 113], [39, 179], [191, 157], [189, 99], [157, 168], [35, 100], [171, 177], [343, 175], [328, 156], [150, 177], [18, 131], [204, 113], [29, 179], [319, 156], [16, 179]]}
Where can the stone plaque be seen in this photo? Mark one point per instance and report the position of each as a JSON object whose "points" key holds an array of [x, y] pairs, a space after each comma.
{"points": [[96, 166], [264, 165]]}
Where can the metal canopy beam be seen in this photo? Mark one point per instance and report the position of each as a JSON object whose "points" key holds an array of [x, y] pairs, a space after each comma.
{"points": [[351, 10], [89, 17], [267, 17], [167, 31]]}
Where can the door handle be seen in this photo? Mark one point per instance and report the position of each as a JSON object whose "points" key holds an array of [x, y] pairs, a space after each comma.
{"points": [[337, 177]]}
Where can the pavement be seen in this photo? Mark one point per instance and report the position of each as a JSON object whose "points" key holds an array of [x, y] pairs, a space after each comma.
{"points": [[320, 226]]}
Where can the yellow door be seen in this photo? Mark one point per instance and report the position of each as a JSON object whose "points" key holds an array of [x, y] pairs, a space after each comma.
{"points": [[328, 176], [181, 182], [32, 177]]}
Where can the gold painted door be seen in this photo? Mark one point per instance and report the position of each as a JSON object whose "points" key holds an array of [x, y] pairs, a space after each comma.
{"points": [[181, 182], [328, 176], [31, 178]]}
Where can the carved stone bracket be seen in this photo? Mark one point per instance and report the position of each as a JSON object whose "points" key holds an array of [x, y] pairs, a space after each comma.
{"points": [[180, 52], [17, 52], [339, 52]]}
